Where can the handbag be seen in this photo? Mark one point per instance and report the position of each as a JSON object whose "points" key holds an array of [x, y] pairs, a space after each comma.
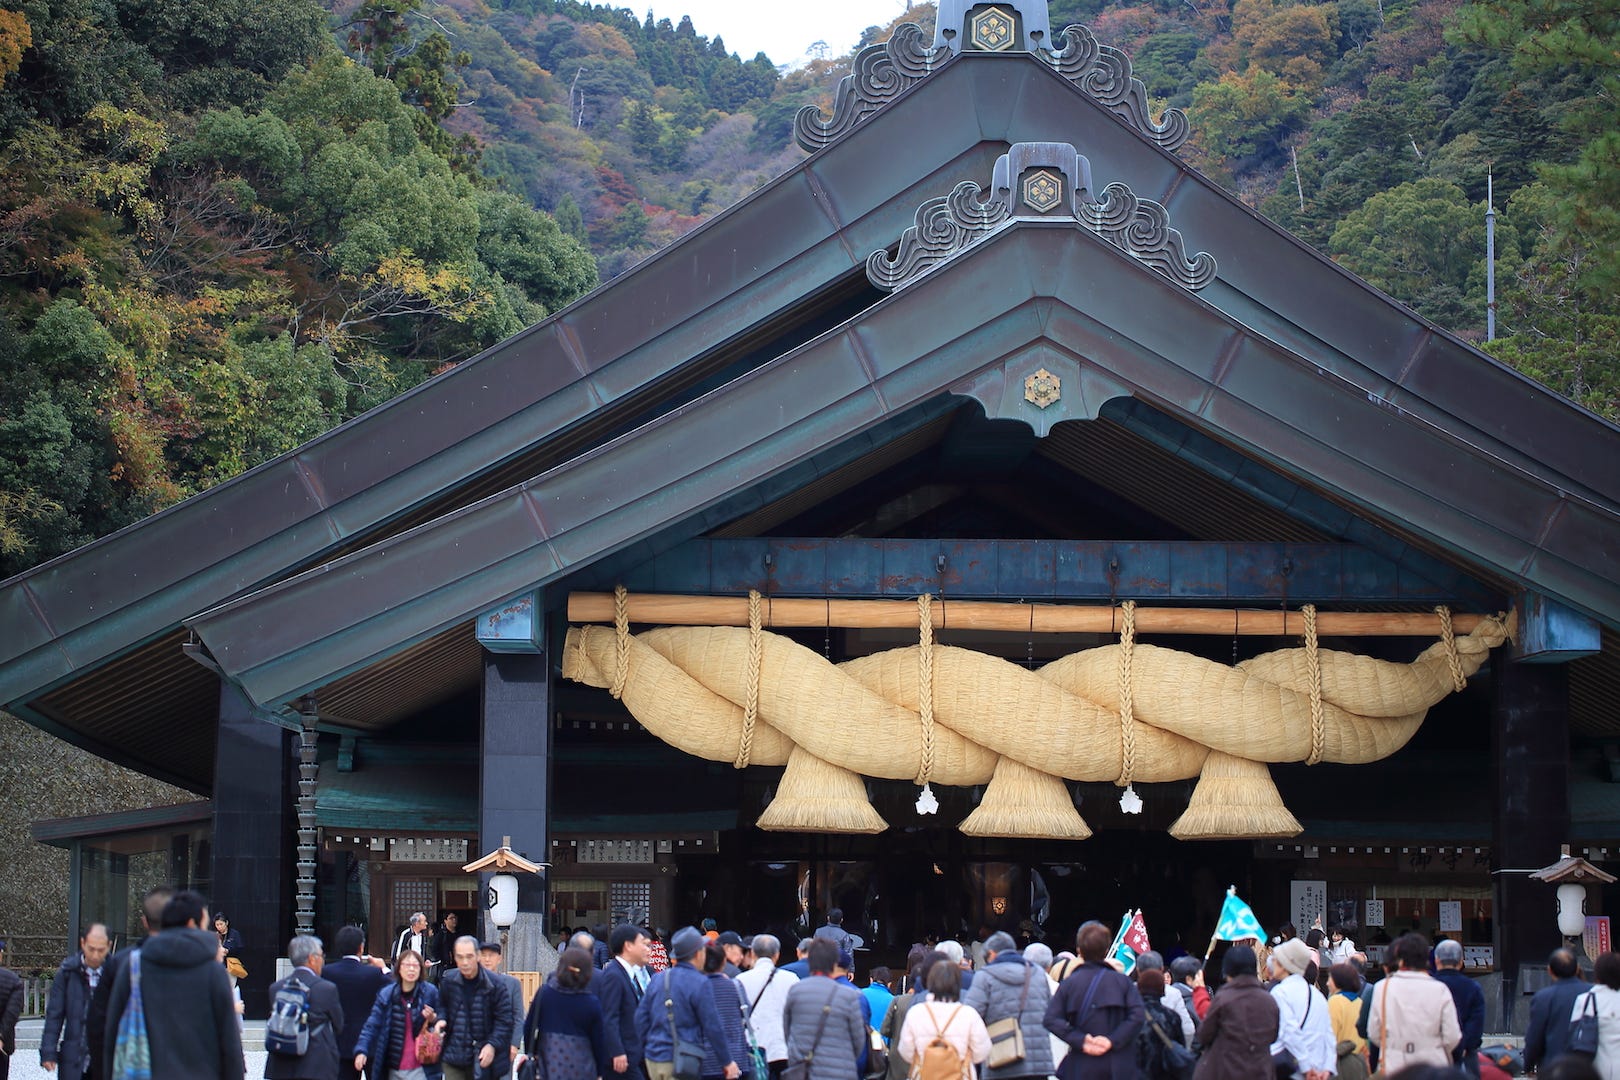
{"points": [[132, 1059], [429, 1046], [532, 1066], [688, 1057], [1583, 1030], [1007, 1034], [877, 1055], [1178, 1061], [800, 1070]]}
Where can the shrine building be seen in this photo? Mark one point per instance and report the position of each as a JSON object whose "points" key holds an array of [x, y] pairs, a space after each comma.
{"points": [[990, 523]]}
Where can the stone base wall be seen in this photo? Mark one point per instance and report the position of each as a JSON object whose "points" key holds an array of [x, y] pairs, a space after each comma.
{"points": [[44, 777]]}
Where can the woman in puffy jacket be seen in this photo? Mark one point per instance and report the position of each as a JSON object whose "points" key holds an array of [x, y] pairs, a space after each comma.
{"points": [[397, 1017]]}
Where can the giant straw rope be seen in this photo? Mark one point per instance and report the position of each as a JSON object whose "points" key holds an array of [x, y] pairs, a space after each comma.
{"points": [[1121, 713]]}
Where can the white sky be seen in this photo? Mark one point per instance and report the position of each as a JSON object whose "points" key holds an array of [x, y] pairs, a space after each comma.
{"points": [[782, 29]]}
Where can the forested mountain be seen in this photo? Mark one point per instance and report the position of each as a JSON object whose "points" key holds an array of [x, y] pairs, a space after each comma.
{"points": [[226, 226]]}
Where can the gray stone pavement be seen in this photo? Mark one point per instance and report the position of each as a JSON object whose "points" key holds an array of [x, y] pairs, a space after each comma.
{"points": [[26, 1066]]}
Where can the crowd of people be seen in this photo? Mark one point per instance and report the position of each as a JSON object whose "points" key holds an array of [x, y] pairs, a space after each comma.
{"points": [[716, 1005]]}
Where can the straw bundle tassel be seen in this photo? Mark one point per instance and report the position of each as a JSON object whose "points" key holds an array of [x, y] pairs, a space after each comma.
{"points": [[1235, 800], [1022, 802], [817, 796]]}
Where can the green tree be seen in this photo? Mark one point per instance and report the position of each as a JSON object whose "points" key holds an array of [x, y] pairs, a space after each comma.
{"points": [[1424, 244], [1553, 328], [1247, 118], [570, 220], [1577, 40], [530, 250]]}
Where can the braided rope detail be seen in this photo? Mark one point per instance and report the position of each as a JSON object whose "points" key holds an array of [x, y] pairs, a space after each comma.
{"points": [[756, 646], [1449, 636], [1313, 666], [925, 684], [621, 634], [1127, 712]]}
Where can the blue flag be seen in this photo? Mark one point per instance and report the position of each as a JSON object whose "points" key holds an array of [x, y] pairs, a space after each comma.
{"points": [[1237, 920], [1126, 957]]}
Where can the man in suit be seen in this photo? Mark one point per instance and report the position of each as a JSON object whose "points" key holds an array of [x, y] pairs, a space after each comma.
{"points": [[489, 958], [414, 937], [619, 988], [358, 980], [1550, 1010], [320, 1061]]}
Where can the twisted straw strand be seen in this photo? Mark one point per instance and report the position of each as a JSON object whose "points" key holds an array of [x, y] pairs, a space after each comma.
{"points": [[1313, 665], [1127, 714], [1449, 636], [925, 684], [756, 644]]}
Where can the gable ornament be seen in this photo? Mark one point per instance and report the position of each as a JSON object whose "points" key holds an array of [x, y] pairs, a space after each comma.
{"points": [[1039, 181], [884, 71]]}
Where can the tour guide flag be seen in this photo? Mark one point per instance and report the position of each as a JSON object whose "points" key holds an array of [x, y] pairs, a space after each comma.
{"points": [[1136, 935], [1237, 920], [1131, 941]]}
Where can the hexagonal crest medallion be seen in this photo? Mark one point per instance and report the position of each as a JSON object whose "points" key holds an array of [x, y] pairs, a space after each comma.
{"points": [[1043, 191], [992, 30], [1042, 389]]}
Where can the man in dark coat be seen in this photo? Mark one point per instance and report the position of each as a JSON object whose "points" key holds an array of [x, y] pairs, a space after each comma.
{"points": [[186, 995], [477, 1018], [64, 1045], [1550, 1009], [1470, 1002], [152, 905], [320, 1061], [11, 995], [489, 958], [358, 981], [1098, 1012], [619, 988], [441, 950]]}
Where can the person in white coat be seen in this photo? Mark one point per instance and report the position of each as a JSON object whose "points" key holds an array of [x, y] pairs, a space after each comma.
{"points": [[1304, 1027], [1604, 1000]]}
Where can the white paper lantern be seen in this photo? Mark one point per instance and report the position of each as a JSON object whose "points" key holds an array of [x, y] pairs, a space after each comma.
{"points": [[502, 900], [1571, 910]]}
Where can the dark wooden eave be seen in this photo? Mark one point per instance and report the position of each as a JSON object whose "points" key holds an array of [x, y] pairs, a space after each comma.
{"points": [[1035, 285]]}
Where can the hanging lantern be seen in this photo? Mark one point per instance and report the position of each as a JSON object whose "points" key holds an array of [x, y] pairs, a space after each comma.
{"points": [[1571, 910], [502, 900]]}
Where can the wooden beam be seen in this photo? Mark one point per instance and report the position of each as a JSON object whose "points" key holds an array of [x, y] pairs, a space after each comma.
{"points": [[671, 610]]}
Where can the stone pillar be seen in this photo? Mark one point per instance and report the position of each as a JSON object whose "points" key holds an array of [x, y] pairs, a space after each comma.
{"points": [[253, 840], [515, 784], [1531, 744]]}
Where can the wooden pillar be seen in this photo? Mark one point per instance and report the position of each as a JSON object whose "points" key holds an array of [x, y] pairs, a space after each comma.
{"points": [[1532, 818], [253, 840]]}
